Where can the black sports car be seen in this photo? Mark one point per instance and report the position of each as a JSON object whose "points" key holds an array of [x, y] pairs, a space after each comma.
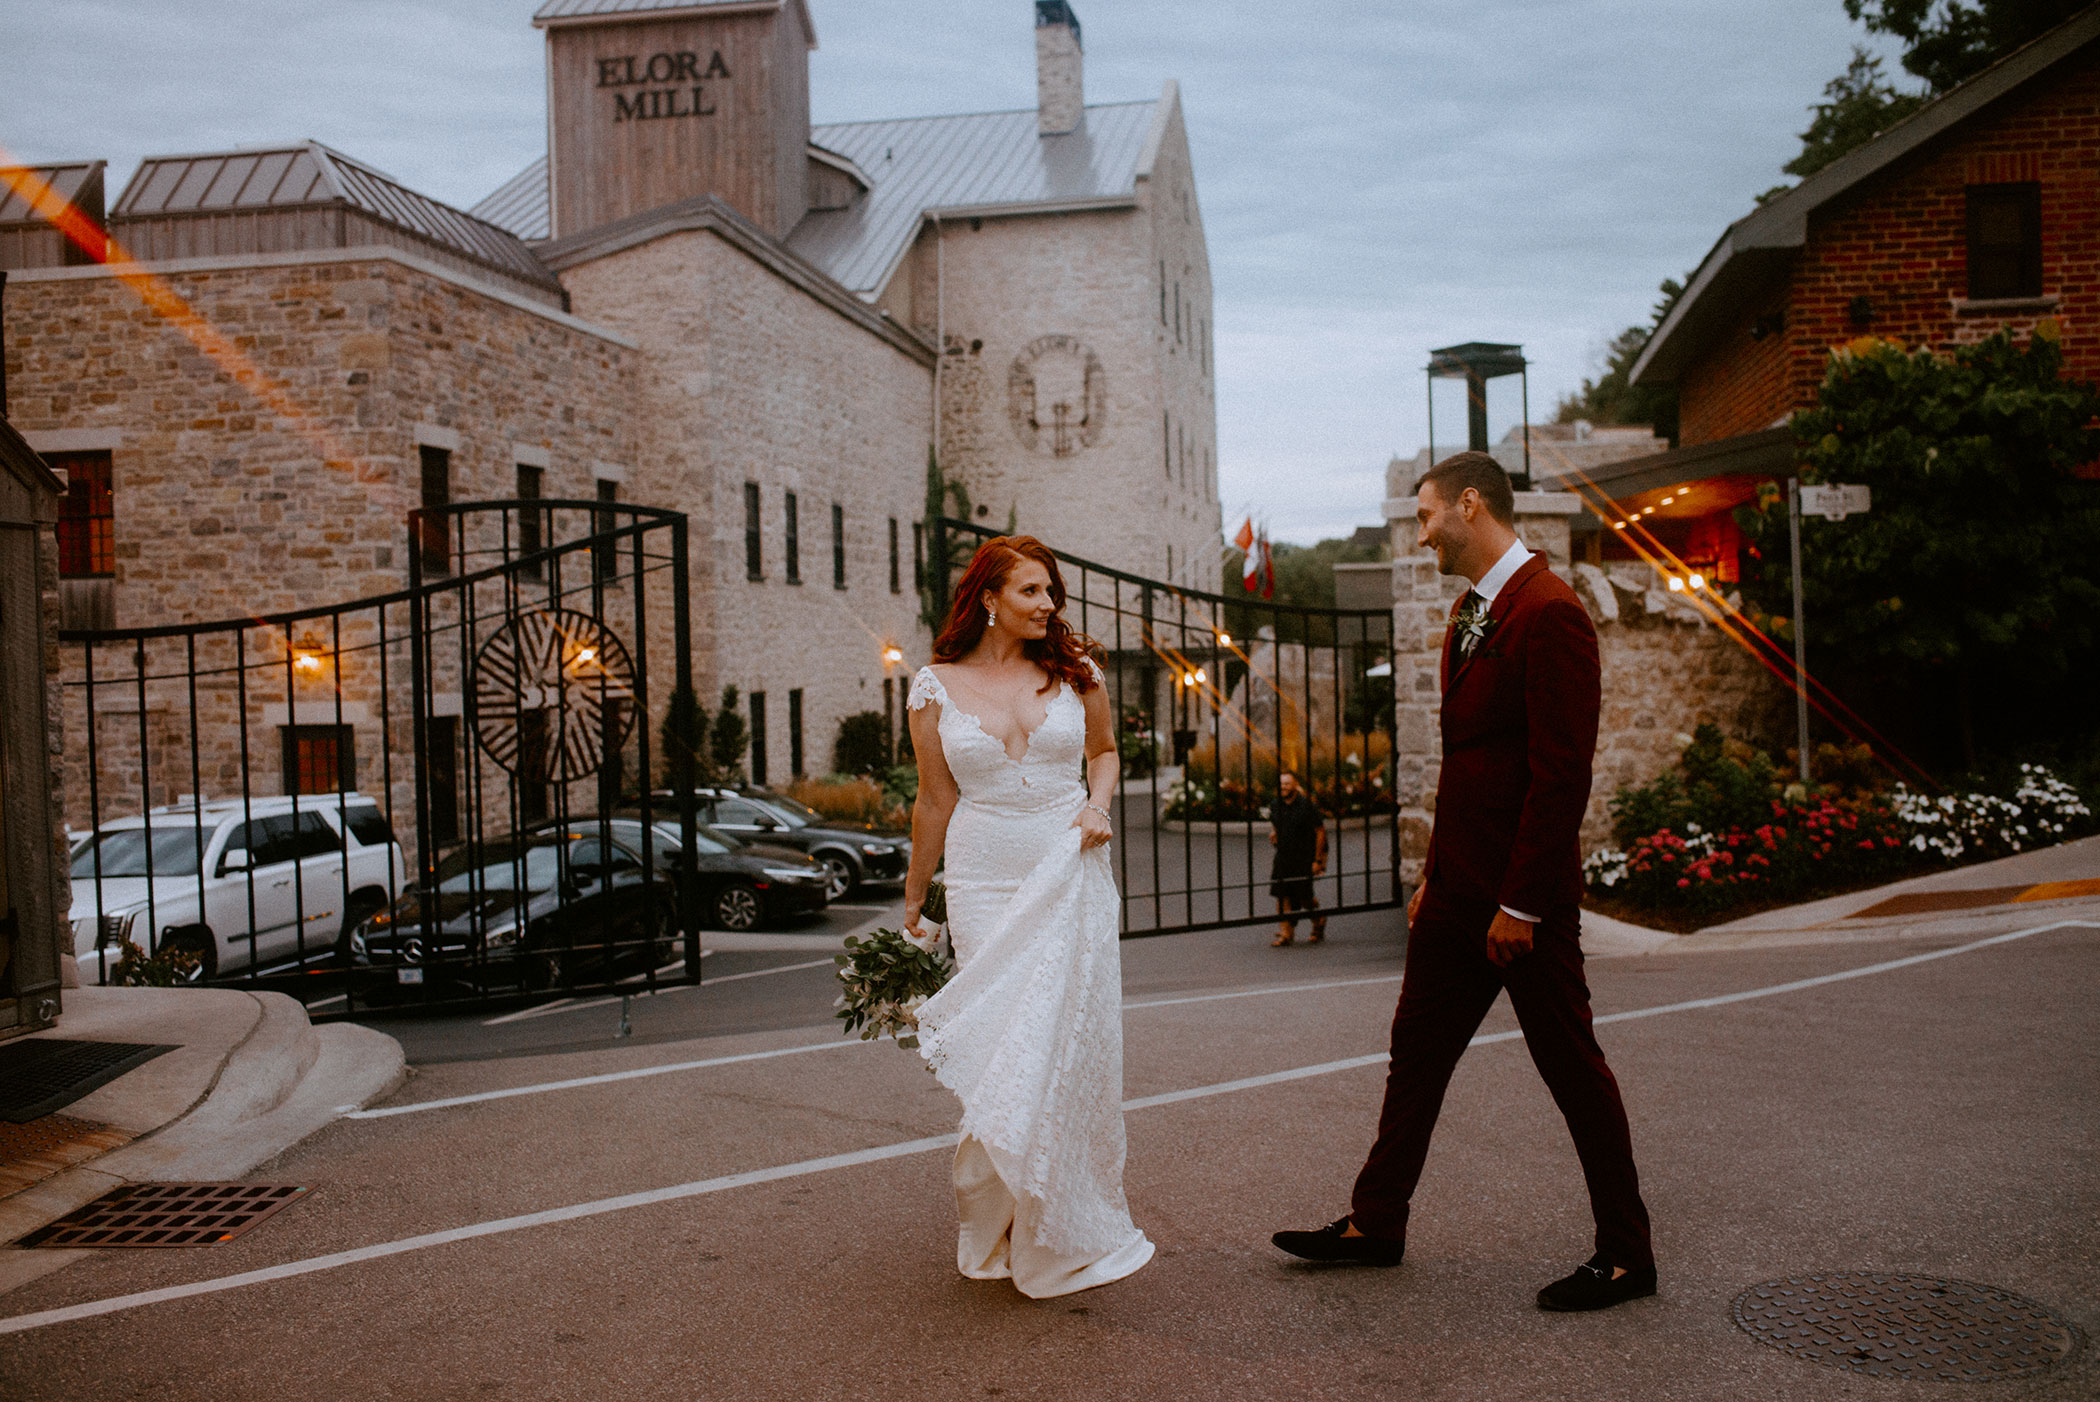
{"points": [[742, 884], [851, 852]]}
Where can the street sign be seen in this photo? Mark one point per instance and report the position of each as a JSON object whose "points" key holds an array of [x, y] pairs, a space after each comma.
{"points": [[1837, 501]]}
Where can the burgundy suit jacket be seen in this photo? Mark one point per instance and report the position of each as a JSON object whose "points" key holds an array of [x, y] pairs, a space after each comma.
{"points": [[1519, 732]]}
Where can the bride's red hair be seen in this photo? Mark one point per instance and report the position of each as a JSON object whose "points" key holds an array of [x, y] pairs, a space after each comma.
{"points": [[1060, 651]]}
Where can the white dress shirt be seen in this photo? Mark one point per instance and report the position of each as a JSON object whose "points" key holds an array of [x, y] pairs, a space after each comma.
{"points": [[1487, 587]]}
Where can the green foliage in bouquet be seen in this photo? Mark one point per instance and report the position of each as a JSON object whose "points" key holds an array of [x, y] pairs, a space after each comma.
{"points": [[886, 978]]}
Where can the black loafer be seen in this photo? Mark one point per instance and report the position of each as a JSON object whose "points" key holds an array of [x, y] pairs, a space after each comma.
{"points": [[1592, 1287], [1330, 1246]]}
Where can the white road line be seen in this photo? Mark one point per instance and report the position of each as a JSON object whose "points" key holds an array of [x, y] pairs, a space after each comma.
{"points": [[605, 1078], [114, 1304], [777, 969], [521, 1015], [1262, 992], [570, 1005]]}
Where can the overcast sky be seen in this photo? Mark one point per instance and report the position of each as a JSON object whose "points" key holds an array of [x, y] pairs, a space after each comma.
{"points": [[1377, 177]]}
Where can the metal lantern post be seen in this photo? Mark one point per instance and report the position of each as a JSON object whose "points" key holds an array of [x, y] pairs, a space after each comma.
{"points": [[1477, 362]]}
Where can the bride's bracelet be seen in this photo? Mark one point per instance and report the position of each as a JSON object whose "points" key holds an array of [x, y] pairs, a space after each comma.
{"points": [[1106, 815]]}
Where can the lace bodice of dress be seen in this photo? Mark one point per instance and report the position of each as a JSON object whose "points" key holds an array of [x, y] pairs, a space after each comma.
{"points": [[1048, 770]]}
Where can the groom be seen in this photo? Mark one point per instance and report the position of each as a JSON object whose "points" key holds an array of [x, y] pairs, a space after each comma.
{"points": [[1498, 904]]}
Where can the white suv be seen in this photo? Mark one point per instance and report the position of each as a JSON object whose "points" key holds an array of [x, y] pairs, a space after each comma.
{"points": [[267, 882]]}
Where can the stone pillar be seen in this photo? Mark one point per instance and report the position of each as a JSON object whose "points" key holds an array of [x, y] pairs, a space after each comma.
{"points": [[1422, 602]]}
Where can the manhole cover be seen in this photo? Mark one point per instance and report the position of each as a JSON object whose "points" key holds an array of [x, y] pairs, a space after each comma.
{"points": [[42, 1074], [1906, 1326], [166, 1214]]}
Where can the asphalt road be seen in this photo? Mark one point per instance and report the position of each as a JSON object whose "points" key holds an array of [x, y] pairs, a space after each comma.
{"points": [[779, 1225]]}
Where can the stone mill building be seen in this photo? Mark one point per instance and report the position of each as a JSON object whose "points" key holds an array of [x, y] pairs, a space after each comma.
{"points": [[696, 300]]}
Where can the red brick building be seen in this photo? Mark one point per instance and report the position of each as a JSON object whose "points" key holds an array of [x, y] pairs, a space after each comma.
{"points": [[1979, 213]]}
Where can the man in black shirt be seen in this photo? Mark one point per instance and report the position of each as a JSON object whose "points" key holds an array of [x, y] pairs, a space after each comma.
{"points": [[1298, 832]]}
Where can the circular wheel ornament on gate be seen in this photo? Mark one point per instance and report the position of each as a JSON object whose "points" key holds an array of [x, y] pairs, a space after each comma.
{"points": [[553, 692], [1906, 1326]]}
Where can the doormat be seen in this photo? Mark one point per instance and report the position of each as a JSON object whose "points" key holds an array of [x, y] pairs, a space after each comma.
{"points": [[166, 1214], [42, 1074]]}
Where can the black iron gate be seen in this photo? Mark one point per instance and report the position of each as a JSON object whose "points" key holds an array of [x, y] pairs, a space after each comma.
{"points": [[438, 796], [1213, 696]]}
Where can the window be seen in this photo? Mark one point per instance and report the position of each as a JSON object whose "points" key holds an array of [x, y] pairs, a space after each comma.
{"points": [[368, 825], [437, 493], [795, 732], [531, 536], [1162, 292], [319, 759], [442, 774], [918, 554], [896, 579], [2005, 240], [754, 552], [794, 542], [1166, 442], [605, 555], [758, 737], [284, 837], [533, 767], [87, 520], [838, 546]]}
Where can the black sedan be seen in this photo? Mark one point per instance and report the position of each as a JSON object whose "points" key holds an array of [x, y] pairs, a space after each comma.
{"points": [[851, 852], [742, 884], [560, 904]]}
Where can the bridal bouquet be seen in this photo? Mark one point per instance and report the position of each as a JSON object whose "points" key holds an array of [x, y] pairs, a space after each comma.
{"points": [[887, 976]]}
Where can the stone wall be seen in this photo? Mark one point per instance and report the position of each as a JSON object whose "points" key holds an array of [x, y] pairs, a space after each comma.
{"points": [[1665, 668], [746, 378], [232, 503], [1108, 313]]}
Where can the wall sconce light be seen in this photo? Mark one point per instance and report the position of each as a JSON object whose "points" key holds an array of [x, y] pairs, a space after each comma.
{"points": [[892, 655], [307, 660], [1224, 639]]}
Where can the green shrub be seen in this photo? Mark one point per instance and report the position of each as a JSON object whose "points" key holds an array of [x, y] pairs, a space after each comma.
{"points": [[863, 744]]}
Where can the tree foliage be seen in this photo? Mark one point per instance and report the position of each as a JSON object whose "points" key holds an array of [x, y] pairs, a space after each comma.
{"points": [[1612, 398], [863, 744], [1947, 42], [683, 734], [1977, 571], [1858, 105], [727, 738]]}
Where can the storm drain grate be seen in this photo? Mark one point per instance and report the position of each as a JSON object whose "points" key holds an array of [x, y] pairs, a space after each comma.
{"points": [[166, 1214], [42, 1074], [1906, 1326]]}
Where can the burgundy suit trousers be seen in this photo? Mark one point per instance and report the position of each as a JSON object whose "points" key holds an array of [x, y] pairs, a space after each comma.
{"points": [[1447, 988]]}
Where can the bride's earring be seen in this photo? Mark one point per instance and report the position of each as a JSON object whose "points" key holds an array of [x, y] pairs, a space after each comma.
{"points": [[991, 615]]}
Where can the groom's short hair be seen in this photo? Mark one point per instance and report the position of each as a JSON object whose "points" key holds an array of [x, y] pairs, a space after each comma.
{"points": [[1484, 475]]}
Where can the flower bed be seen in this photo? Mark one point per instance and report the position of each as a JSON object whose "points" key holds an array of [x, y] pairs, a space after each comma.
{"points": [[1199, 799], [1687, 873]]}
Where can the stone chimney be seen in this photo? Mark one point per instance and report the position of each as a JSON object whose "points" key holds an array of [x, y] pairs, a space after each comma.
{"points": [[1060, 89]]}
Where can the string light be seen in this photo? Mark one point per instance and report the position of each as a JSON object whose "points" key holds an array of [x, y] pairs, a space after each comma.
{"points": [[1676, 585], [1698, 581]]}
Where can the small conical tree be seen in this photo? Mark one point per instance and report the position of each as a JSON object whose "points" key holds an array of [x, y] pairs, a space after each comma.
{"points": [[683, 736], [727, 739]]}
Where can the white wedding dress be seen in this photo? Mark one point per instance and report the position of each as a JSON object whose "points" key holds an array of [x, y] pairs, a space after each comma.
{"points": [[1029, 1032]]}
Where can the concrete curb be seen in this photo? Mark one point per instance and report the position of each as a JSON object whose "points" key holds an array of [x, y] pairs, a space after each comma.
{"points": [[285, 1080]]}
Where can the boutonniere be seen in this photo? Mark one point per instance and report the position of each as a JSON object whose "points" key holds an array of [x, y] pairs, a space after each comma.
{"points": [[1470, 629]]}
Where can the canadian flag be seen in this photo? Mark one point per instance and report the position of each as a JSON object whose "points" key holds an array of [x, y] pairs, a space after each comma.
{"points": [[1268, 569], [1251, 561]]}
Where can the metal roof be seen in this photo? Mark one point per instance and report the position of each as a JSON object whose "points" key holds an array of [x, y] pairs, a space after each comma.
{"points": [[66, 181], [308, 174], [987, 159], [520, 204], [569, 12], [980, 160], [1752, 256]]}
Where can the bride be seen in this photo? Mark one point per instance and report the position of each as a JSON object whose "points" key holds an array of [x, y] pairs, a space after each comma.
{"points": [[1029, 1032]]}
